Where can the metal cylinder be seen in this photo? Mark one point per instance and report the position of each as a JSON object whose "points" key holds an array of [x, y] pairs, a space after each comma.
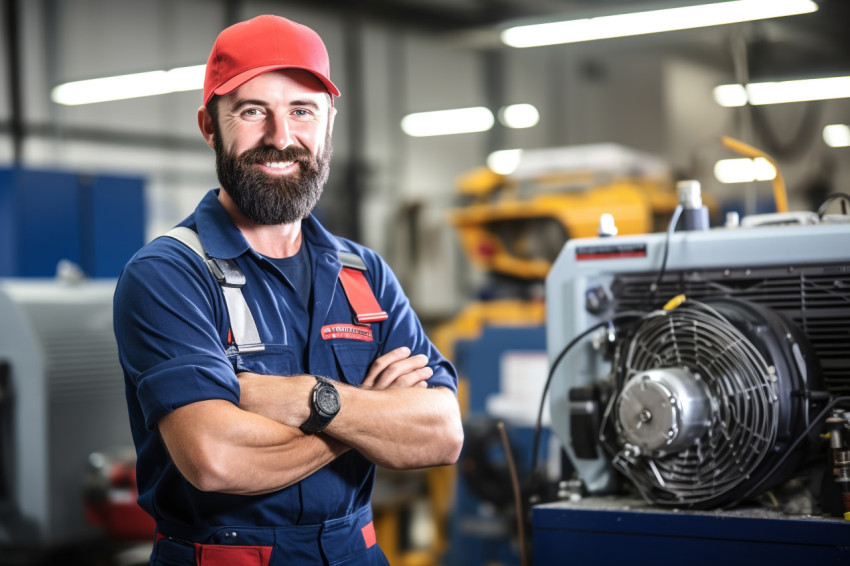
{"points": [[690, 194], [694, 212]]}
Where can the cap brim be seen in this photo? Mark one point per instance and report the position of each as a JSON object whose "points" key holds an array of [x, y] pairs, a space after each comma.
{"points": [[245, 76]]}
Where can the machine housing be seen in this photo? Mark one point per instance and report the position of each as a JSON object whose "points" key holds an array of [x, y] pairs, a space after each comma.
{"points": [[61, 401], [800, 271], [784, 286]]}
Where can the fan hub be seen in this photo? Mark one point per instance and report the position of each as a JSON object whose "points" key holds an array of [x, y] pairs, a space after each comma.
{"points": [[664, 410]]}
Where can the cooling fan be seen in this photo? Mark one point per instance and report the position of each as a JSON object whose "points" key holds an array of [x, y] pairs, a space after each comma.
{"points": [[709, 397]]}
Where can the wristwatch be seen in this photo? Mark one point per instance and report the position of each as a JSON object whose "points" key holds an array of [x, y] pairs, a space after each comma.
{"points": [[324, 405]]}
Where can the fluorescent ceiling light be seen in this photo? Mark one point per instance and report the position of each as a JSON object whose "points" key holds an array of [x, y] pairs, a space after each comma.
{"points": [[655, 21], [744, 170], [837, 135], [129, 86], [730, 95], [519, 116], [782, 91], [445, 122], [504, 161]]}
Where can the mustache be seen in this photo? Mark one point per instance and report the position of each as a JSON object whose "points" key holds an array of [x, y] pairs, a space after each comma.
{"points": [[268, 153]]}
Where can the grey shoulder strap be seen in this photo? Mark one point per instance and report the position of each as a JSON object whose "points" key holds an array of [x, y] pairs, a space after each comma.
{"points": [[246, 337], [189, 238]]}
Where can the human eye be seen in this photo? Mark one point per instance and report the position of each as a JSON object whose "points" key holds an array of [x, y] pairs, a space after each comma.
{"points": [[252, 113], [302, 113]]}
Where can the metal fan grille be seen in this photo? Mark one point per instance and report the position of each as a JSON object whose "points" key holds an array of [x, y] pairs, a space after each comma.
{"points": [[744, 404]]}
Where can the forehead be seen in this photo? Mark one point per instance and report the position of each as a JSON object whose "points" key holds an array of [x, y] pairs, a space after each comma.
{"points": [[282, 85]]}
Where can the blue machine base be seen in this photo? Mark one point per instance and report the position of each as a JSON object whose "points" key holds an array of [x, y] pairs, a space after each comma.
{"points": [[600, 530]]}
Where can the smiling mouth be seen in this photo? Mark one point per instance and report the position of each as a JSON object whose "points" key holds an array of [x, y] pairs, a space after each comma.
{"points": [[278, 164]]}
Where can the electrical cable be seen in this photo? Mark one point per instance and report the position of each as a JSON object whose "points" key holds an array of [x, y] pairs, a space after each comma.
{"points": [[520, 513], [670, 229], [800, 139], [845, 198]]}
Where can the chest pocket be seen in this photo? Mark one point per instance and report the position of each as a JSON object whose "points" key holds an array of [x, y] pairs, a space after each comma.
{"points": [[353, 360]]}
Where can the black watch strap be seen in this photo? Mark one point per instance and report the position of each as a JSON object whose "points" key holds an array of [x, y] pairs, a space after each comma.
{"points": [[324, 406]]}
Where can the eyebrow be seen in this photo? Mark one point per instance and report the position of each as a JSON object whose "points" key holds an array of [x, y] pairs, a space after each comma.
{"points": [[258, 102], [310, 103]]}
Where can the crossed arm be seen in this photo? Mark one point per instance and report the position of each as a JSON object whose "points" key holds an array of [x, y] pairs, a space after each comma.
{"points": [[393, 419]]}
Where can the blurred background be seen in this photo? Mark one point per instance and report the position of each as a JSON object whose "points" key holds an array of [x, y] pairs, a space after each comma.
{"points": [[470, 220]]}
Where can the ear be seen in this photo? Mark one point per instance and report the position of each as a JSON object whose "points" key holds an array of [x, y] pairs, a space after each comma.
{"points": [[206, 125], [331, 116]]}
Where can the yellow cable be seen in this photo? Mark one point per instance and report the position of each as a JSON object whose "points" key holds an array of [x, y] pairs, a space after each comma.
{"points": [[773, 499], [780, 194], [674, 302]]}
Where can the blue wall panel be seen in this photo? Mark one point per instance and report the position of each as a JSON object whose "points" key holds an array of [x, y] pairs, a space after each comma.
{"points": [[96, 222], [48, 222], [8, 257], [117, 224]]}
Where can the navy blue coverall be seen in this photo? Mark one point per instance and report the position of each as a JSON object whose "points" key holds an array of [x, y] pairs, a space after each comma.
{"points": [[172, 327]]}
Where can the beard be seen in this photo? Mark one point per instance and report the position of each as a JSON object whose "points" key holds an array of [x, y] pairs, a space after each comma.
{"points": [[273, 199]]}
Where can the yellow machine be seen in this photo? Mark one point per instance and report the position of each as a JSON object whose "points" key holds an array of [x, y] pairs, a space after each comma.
{"points": [[516, 224]]}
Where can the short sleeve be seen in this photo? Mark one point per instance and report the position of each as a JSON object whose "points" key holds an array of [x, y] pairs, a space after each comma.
{"points": [[166, 316]]}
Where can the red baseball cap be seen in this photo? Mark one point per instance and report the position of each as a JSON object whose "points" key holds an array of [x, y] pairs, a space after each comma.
{"points": [[263, 44]]}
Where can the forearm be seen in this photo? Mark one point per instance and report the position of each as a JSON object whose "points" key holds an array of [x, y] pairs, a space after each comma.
{"points": [[396, 427], [219, 447], [400, 428]]}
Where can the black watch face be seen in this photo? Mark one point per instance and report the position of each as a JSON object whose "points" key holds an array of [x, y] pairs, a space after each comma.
{"points": [[328, 400]]}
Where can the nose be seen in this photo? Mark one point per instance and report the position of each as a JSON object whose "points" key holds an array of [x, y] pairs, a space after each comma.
{"points": [[278, 134]]}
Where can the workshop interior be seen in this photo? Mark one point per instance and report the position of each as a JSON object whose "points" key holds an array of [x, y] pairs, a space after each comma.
{"points": [[632, 242]]}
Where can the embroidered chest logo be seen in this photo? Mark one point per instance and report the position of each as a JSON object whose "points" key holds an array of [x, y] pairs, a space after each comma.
{"points": [[349, 331]]}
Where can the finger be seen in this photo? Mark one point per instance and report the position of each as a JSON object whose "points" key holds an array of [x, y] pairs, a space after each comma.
{"points": [[382, 362], [416, 378], [381, 376], [398, 369]]}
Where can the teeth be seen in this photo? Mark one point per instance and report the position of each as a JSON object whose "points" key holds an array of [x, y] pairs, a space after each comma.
{"points": [[278, 164]]}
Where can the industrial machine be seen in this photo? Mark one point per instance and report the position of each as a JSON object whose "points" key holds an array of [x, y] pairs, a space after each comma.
{"points": [[700, 384], [61, 400]]}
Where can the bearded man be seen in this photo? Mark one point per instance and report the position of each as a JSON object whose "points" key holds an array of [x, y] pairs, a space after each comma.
{"points": [[270, 365]]}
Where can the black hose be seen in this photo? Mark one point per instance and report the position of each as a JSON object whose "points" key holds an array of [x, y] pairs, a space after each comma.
{"points": [[555, 363], [818, 420]]}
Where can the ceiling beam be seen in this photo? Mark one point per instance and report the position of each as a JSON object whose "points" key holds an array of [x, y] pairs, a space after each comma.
{"points": [[430, 17]]}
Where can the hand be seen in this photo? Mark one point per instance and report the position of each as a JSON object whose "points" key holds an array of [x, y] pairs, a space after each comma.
{"points": [[397, 369], [284, 399]]}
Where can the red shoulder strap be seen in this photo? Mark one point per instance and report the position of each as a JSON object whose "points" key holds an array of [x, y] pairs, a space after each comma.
{"points": [[357, 290]]}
